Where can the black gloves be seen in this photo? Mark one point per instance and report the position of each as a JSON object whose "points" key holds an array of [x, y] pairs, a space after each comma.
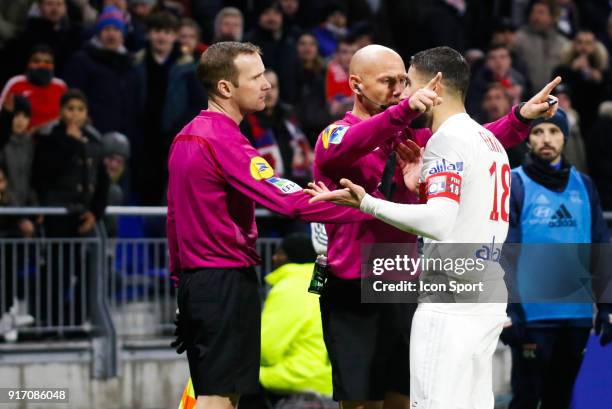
{"points": [[603, 323], [179, 343]]}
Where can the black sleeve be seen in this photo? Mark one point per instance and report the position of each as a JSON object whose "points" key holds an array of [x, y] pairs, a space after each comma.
{"points": [[100, 196], [517, 196], [599, 227], [6, 127]]}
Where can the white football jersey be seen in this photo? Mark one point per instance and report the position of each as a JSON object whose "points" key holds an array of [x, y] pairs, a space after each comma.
{"points": [[465, 162]]}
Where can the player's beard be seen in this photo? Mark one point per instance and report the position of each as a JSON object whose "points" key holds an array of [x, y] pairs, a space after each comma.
{"points": [[425, 120]]}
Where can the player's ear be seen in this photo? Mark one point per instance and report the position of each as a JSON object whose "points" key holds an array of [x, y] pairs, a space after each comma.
{"points": [[224, 88], [355, 83]]}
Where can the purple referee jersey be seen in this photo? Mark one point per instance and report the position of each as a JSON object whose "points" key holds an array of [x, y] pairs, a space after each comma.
{"points": [[358, 150], [215, 179]]}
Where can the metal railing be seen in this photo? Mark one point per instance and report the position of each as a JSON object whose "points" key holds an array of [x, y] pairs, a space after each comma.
{"points": [[101, 287]]}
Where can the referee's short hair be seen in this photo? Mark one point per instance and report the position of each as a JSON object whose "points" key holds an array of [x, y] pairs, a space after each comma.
{"points": [[218, 63]]}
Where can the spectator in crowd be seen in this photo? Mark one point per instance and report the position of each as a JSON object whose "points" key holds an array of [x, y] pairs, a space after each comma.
{"points": [[68, 169], [104, 71], [39, 84], [362, 34], [190, 39], [68, 172], [278, 49], [539, 44], [497, 69], [574, 148], [310, 98], [449, 28], [171, 94], [229, 25], [294, 362], [116, 153], [584, 67], [551, 202], [495, 104], [275, 134], [13, 14], [17, 155], [293, 17], [594, 14], [504, 34], [138, 13], [600, 153], [568, 22], [338, 93], [82, 12], [11, 227], [332, 29], [53, 28]]}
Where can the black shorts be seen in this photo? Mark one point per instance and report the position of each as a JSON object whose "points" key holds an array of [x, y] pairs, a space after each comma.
{"points": [[368, 344], [220, 320]]}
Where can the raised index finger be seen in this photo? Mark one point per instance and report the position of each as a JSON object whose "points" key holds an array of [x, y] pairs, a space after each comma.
{"points": [[434, 81], [548, 88]]}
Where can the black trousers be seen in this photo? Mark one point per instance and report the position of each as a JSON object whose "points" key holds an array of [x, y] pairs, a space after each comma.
{"points": [[545, 367]]}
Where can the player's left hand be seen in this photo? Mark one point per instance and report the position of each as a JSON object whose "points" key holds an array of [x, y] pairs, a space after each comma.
{"points": [[351, 195], [603, 324], [410, 160], [537, 106]]}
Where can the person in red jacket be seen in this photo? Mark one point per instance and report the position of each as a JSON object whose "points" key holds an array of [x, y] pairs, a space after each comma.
{"points": [[38, 84]]}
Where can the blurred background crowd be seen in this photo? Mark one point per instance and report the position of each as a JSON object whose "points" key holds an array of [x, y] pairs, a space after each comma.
{"points": [[94, 91]]}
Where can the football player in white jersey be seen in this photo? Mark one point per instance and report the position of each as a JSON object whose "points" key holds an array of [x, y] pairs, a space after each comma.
{"points": [[466, 176]]}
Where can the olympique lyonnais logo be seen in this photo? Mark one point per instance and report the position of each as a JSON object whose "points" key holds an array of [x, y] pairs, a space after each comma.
{"points": [[445, 184], [446, 166], [260, 168]]}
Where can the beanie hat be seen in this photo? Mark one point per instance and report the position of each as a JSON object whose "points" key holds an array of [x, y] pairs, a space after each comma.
{"points": [[559, 119], [115, 143], [110, 16]]}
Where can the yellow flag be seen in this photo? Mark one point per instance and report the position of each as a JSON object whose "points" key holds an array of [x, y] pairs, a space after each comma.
{"points": [[188, 400]]}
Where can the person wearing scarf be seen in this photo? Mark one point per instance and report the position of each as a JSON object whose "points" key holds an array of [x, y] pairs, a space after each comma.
{"points": [[553, 207]]}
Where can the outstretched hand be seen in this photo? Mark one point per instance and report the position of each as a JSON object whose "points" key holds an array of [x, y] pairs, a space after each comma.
{"points": [[351, 195], [538, 106], [410, 160]]}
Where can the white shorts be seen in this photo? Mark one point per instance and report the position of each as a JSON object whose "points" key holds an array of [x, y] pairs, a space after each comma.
{"points": [[451, 355]]}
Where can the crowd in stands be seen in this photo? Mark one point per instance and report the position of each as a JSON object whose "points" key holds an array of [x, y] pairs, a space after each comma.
{"points": [[78, 75]]}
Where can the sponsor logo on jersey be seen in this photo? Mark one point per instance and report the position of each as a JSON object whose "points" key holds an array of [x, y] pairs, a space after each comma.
{"points": [[542, 212], [562, 218], [284, 185], [575, 196], [444, 184], [260, 168], [542, 200], [333, 134], [489, 251], [445, 166]]}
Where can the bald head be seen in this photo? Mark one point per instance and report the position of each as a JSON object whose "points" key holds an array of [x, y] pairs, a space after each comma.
{"points": [[373, 59]]}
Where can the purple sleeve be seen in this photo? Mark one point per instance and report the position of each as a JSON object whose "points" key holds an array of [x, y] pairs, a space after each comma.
{"points": [[174, 264], [509, 130], [421, 136], [252, 176], [340, 145]]}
